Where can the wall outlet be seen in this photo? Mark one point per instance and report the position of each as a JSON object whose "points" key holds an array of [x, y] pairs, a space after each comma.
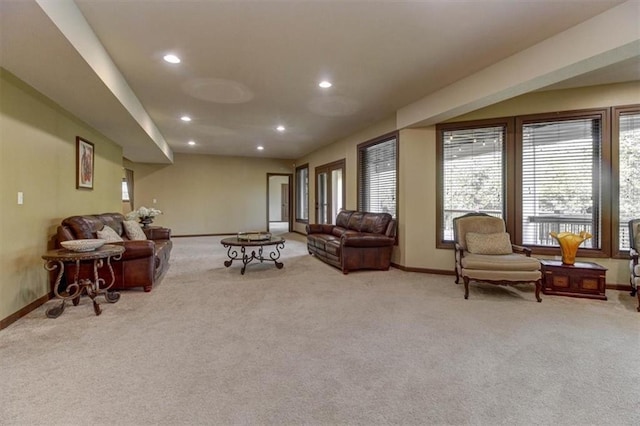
{"points": [[155, 201]]}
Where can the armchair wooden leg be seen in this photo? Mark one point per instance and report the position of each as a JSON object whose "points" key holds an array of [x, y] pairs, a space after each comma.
{"points": [[466, 287], [538, 287], [638, 301]]}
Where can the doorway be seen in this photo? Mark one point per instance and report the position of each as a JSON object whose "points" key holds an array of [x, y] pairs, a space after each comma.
{"points": [[330, 191], [279, 211]]}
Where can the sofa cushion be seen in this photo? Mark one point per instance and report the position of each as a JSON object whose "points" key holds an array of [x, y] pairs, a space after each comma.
{"points": [[495, 243], [375, 223], [333, 247], [133, 230], [83, 226], [109, 235], [342, 220], [501, 262], [355, 221]]}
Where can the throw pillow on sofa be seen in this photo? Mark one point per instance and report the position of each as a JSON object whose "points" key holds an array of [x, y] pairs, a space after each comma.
{"points": [[133, 230], [497, 243], [109, 235]]}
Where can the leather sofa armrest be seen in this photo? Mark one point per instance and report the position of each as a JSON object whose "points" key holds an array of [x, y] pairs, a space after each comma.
{"points": [[157, 233], [135, 249], [366, 240], [318, 228]]}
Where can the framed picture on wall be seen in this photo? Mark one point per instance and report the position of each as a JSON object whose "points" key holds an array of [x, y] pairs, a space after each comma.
{"points": [[84, 164]]}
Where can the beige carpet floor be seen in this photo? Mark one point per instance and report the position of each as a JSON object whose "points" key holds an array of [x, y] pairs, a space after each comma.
{"points": [[309, 345]]}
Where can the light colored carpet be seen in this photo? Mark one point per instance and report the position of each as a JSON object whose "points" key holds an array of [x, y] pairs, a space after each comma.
{"points": [[308, 345]]}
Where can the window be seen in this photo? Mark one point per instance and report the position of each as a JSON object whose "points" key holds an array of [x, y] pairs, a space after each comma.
{"points": [[377, 175], [472, 172], [302, 193], [125, 190], [561, 166], [540, 173], [627, 135]]}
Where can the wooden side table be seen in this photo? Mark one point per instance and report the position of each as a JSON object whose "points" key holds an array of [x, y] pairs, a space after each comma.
{"points": [[582, 279]]}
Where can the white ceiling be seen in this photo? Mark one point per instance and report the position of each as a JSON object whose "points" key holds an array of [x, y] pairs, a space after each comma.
{"points": [[248, 66]]}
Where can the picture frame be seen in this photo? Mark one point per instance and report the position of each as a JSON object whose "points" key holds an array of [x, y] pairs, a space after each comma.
{"points": [[85, 156]]}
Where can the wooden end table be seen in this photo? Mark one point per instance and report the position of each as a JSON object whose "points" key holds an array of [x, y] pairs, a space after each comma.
{"points": [[582, 279], [56, 259]]}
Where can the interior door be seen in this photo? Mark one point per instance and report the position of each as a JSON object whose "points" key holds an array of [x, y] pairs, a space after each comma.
{"points": [[330, 191]]}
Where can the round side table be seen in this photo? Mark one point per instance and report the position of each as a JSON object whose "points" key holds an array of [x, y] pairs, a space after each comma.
{"points": [[93, 287]]}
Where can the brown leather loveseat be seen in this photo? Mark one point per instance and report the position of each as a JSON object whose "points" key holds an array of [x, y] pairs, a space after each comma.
{"points": [[358, 240], [142, 263]]}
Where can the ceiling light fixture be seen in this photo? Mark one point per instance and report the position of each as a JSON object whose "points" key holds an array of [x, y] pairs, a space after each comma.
{"points": [[325, 84], [260, 148], [172, 59], [192, 143], [185, 118], [280, 128]]}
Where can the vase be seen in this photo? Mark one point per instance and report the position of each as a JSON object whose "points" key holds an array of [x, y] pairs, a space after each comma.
{"points": [[146, 221], [569, 243]]}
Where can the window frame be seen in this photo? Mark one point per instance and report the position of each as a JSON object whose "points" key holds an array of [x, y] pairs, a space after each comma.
{"points": [[359, 179], [298, 201], [616, 112], [604, 182], [507, 172], [513, 174]]}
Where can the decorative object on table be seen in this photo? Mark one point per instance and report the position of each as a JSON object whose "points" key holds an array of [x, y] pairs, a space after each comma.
{"points": [[83, 245], [84, 163], [569, 243], [254, 236], [145, 215]]}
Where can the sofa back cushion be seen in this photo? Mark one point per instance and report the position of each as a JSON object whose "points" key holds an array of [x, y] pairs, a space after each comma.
{"points": [[113, 221], [342, 220], [83, 226], [375, 223], [355, 221]]}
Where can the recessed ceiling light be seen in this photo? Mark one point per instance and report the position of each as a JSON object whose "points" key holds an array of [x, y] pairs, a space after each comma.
{"points": [[325, 84], [260, 148], [280, 128], [185, 118], [191, 143], [172, 59]]}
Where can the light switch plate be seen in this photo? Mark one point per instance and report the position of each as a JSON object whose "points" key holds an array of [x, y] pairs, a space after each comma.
{"points": [[20, 198]]}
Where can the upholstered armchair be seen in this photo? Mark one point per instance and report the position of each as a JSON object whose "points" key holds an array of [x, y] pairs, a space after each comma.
{"points": [[634, 267], [484, 253]]}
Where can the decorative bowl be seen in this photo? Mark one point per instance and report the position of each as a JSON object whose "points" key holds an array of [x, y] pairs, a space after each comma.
{"points": [[83, 245]]}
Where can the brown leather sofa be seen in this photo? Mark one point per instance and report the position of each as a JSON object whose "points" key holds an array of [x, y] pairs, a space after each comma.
{"points": [[358, 240], [142, 263]]}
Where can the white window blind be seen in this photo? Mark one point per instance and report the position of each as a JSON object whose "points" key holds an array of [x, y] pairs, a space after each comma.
{"points": [[561, 180], [378, 177], [629, 174], [473, 174]]}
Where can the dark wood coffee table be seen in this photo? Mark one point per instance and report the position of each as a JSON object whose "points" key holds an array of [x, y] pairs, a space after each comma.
{"points": [[232, 243]]}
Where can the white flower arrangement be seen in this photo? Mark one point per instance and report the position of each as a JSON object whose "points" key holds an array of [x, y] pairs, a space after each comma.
{"points": [[143, 213]]}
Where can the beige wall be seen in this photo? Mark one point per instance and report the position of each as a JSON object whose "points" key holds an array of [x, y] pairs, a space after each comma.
{"points": [[417, 172], [37, 157], [207, 194]]}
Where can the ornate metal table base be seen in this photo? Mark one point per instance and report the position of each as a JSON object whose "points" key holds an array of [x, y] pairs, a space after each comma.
{"points": [[56, 259], [231, 245]]}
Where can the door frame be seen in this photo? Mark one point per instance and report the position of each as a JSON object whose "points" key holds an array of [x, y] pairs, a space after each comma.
{"points": [[290, 183], [328, 168]]}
